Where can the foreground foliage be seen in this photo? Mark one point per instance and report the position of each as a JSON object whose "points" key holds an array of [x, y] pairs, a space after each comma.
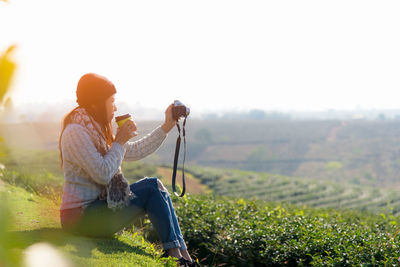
{"points": [[248, 233]]}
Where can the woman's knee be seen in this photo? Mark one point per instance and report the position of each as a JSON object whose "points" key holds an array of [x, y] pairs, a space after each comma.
{"points": [[149, 182], [161, 186]]}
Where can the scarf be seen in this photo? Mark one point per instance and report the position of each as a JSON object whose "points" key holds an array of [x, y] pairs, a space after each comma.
{"points": [[117, 192]]}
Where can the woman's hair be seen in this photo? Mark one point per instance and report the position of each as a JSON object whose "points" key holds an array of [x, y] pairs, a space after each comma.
{"points": [[99, 114], [92, 92]]}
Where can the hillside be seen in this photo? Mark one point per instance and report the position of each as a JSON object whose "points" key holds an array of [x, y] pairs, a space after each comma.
{"points": [[359, 152], [222, 231], [299, 191], [39, 172]]}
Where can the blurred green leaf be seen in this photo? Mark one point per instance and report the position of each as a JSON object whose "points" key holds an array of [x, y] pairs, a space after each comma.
{"points": [[7, 68]]}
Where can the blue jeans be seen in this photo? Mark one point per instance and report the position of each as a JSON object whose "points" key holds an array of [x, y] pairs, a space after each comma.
{"points": [[97, 220]]}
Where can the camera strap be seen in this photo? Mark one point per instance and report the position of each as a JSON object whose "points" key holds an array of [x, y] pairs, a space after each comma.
{"points": [[178, 144]]}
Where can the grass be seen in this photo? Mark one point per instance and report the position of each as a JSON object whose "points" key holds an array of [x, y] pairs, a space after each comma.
{"points": [[36, 219], [29, 210]]}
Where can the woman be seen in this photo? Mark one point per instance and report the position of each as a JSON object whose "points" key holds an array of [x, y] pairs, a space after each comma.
{"points": [[97, 200]]}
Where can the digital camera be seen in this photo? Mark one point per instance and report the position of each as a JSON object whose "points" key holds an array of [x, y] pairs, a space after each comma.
{"points": [[179, 110]]}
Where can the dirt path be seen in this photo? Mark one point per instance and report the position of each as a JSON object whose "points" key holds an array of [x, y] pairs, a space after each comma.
{"points": [[193, 186], [334, 131]]}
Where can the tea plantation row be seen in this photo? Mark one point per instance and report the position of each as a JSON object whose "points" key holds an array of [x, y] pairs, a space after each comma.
{"points": [[237, 232], [39, 171], [302, 191]]}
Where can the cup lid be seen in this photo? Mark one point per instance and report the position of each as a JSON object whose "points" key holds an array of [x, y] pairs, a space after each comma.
{"points": [[122, 117]]}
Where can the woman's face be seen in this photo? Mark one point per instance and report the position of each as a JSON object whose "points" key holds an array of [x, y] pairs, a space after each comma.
{"points": [[110, 107]]}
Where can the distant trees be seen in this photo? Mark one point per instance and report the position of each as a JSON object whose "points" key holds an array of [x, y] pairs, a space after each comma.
{"points": [[204, 136], [254, 114]]}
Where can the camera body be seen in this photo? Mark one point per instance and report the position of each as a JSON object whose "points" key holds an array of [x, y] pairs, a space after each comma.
{"points": [[179, 110]]}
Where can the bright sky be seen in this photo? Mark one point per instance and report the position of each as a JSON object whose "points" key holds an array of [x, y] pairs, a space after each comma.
{"points": [[212, 55]]}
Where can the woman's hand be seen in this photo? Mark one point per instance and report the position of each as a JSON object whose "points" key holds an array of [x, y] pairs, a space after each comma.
{"points": [[169, 122], [126, 132]]}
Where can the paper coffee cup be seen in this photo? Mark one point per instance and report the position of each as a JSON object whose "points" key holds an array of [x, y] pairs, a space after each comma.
{"points": [[120, 120]]}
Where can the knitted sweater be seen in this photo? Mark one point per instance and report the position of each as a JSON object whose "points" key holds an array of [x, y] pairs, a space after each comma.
{"points": [[85, 169]]}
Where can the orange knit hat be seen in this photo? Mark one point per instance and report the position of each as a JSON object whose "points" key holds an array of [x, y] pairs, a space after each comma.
{"points": [[93, 89]]}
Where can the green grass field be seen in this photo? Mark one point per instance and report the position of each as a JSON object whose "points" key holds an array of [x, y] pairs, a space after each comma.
{"points": [[35, 219]]}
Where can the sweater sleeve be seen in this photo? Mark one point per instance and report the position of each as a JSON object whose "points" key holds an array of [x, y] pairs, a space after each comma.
{"points": [[78, 146], [145, 146]]}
